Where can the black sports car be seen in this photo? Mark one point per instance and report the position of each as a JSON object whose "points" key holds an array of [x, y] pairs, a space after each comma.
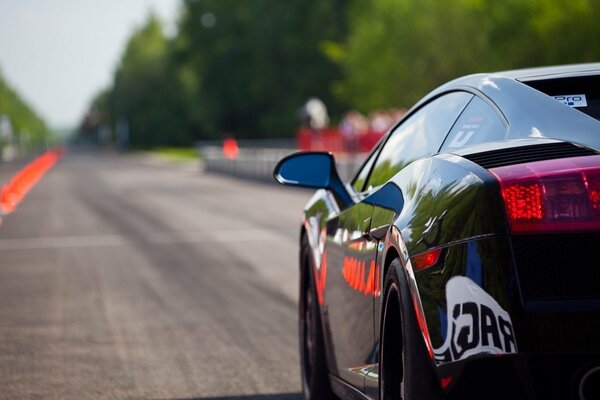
{"points": [[463, 259]]}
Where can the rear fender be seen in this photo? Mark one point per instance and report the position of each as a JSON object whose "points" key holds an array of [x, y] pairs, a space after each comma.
{"points": [[454, 205], [395, 247], [447, 199]]}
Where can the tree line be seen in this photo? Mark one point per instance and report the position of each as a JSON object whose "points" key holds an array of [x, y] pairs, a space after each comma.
{"points": [[245, 67], [21, 127]]}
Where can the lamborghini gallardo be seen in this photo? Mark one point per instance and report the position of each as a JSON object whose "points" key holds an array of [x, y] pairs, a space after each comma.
{"points": [[463, 259]]}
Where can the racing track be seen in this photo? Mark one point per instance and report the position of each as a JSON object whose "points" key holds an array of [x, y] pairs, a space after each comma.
{"points": [[121, 277]]}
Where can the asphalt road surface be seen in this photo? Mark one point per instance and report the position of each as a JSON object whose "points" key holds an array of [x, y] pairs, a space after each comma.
{"points": [[123, 277]]}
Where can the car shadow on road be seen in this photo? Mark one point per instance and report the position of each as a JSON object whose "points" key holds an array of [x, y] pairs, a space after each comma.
{"points": [[278, 396]]}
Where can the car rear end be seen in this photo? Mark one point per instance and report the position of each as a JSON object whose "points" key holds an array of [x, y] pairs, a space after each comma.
{"points": [[552, 208], [550, 192]]}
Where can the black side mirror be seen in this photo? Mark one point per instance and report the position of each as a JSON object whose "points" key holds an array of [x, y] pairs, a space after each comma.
{"points": [[314, 170]]}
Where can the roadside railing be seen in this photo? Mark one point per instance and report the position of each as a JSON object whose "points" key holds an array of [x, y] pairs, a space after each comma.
{"points": [[257, 159], [250, 163]]}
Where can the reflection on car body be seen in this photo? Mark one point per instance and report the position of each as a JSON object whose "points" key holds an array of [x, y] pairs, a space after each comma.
{"points": [[459, 262]]}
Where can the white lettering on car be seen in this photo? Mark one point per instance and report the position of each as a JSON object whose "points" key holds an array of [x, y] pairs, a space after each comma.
{"points": [[461, 139], [476, 323], [573, 100]]}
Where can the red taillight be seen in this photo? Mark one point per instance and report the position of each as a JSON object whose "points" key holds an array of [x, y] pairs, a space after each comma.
{"points": [[552, 196], [523, 201]]}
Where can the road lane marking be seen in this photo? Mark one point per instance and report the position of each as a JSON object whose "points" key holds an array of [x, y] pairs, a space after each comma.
{"points": [[108, 240]]}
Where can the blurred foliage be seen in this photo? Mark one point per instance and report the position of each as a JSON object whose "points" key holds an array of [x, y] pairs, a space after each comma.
{"points": [[398, 50], [258, 61], [148, 91], [29, 130], [244, 68], [239, 68]]}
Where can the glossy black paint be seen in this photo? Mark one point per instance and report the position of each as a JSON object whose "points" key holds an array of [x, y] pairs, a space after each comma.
{"points": [[449, 203], [349, 309]]}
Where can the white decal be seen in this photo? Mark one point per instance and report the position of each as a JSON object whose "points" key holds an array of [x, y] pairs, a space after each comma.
{"points": [[476, 323], [573, 100], [461, 138]]}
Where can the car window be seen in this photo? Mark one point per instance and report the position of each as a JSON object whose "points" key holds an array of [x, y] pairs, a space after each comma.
{"points": [[361, 177], [420, 135], [478, 123], [580, 92]]}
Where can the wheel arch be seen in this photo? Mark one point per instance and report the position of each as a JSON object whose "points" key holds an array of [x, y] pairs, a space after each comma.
{"points": [[391, 254], [396, 249], [405, 323]]}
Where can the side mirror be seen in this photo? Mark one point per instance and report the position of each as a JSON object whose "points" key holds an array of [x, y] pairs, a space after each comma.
{"points": [[314, 170]]}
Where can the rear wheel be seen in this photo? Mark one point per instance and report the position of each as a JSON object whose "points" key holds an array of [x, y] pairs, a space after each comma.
{"points": [[315, 379], [406, 371]]}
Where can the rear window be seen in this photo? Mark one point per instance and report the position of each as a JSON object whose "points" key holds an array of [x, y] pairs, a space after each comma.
{"points": [[581, 93], [478, 123]]}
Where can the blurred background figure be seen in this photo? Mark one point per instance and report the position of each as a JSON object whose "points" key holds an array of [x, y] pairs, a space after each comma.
{"points": [[352, 127], [381, 121], [314, 114], [355, 134]]}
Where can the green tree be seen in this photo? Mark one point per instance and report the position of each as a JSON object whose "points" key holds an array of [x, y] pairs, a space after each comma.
{"points": [[148, 91], [235, 67], [398, 50], [245, 67], [31, 132], [258, 61]]}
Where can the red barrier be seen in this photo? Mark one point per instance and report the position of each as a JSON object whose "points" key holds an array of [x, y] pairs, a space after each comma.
{"points": [[328, 139], [331, 139], [14, 192]]}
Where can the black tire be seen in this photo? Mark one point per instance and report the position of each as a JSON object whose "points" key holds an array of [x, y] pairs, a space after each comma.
{"points": [[313, 363], [405, 369]]}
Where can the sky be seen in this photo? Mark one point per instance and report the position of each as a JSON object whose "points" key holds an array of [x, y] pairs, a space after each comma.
{"points": [[58, 54]]}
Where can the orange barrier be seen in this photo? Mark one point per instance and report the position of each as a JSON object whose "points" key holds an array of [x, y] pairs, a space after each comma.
{"points": [[14, 192], [231, 150]]}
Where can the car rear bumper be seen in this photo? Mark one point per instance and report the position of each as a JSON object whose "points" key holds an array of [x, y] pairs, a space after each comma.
{"points": [[523, 376]]}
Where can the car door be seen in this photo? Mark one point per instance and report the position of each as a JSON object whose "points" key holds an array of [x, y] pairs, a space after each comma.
{"points": [[347, 311], [352, 272]]}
